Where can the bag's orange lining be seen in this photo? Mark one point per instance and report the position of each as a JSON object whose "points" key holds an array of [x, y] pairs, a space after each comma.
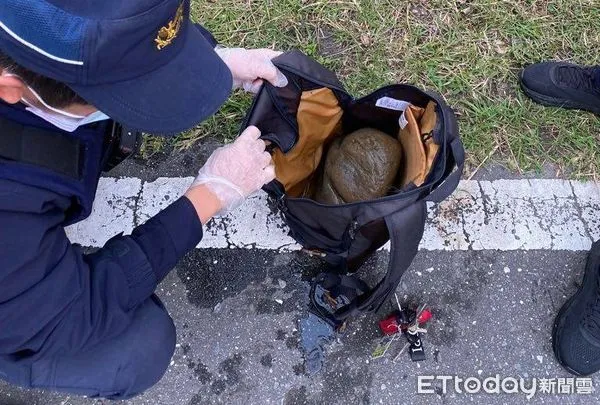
{"points": [[319, 119]]}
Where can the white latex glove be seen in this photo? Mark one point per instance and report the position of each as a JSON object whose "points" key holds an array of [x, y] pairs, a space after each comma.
{"points": [[250, 67], [235, 171]]}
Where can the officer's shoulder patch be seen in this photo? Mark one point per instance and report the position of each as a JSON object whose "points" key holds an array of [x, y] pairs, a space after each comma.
{"points": [[167, 34]]}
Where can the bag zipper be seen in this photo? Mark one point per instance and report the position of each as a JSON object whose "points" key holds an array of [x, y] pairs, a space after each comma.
{"points": [[352, 230], [281, 204]]}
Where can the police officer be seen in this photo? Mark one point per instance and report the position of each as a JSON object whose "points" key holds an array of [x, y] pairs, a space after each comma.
{"points": [[90, 324]]}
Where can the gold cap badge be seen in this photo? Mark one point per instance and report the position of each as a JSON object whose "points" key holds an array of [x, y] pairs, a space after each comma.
{"points": [[167, 34]]}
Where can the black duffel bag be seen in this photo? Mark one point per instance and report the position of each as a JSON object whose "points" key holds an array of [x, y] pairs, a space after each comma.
{"points": [[301, 121]]}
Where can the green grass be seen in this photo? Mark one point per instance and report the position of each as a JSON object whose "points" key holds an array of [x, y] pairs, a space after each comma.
{"points": [[468, 50]]}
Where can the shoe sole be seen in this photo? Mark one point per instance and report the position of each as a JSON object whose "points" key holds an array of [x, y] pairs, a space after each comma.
{"points": [[555, 101], [559, 320]]}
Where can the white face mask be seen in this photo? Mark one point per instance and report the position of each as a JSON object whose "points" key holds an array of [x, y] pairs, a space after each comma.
{"points": [[62, 119]]}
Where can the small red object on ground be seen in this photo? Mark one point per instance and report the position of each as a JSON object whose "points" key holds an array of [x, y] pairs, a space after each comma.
{"points": [[389, 325], [425, 316]]}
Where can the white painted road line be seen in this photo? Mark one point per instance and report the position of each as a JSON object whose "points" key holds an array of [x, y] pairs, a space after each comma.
{"points": [[481, 215]]}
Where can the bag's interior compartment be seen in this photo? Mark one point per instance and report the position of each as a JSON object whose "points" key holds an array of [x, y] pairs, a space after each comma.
{"points": [[319, 120], [359, 154], [418, 145]]}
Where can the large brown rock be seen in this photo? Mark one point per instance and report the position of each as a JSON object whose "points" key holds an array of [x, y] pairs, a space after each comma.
{"points": [[361, 166]]}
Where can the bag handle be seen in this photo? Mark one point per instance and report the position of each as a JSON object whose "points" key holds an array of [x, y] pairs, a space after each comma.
{"points": [[406, 228]]}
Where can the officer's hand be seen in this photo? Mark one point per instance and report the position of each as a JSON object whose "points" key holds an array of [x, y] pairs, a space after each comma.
{"points": [[250, 67], [235, 171]]}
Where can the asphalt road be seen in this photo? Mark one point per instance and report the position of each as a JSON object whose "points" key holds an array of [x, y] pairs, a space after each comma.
{"points": [[493, 314], [237, 313]]}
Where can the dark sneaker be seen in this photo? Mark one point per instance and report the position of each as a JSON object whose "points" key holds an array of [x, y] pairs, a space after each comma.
{"points": [[563, 85], [576, 335]]}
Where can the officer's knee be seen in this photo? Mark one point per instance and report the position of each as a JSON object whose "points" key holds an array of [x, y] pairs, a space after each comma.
{"points": [[150, 355]]}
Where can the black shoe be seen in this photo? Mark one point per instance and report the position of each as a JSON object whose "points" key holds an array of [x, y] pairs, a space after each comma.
{"points": [[576, 335], [563, 85]]}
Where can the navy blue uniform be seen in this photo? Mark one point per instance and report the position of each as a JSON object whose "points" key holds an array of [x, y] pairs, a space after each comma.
{"points": [[90, 323], [90, 318], [82, 323]]}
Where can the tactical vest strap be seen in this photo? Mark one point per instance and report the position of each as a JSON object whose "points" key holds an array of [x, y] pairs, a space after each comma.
{"points": [[40, 147], [36, 153]]}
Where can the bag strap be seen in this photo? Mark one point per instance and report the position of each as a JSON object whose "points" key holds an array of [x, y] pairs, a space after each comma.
{"points": [[406, 229], [443, 191], [39, 147]]}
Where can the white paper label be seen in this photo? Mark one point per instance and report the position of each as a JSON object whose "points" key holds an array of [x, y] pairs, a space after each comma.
{"points": [[403, 122], [392, 104]]}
